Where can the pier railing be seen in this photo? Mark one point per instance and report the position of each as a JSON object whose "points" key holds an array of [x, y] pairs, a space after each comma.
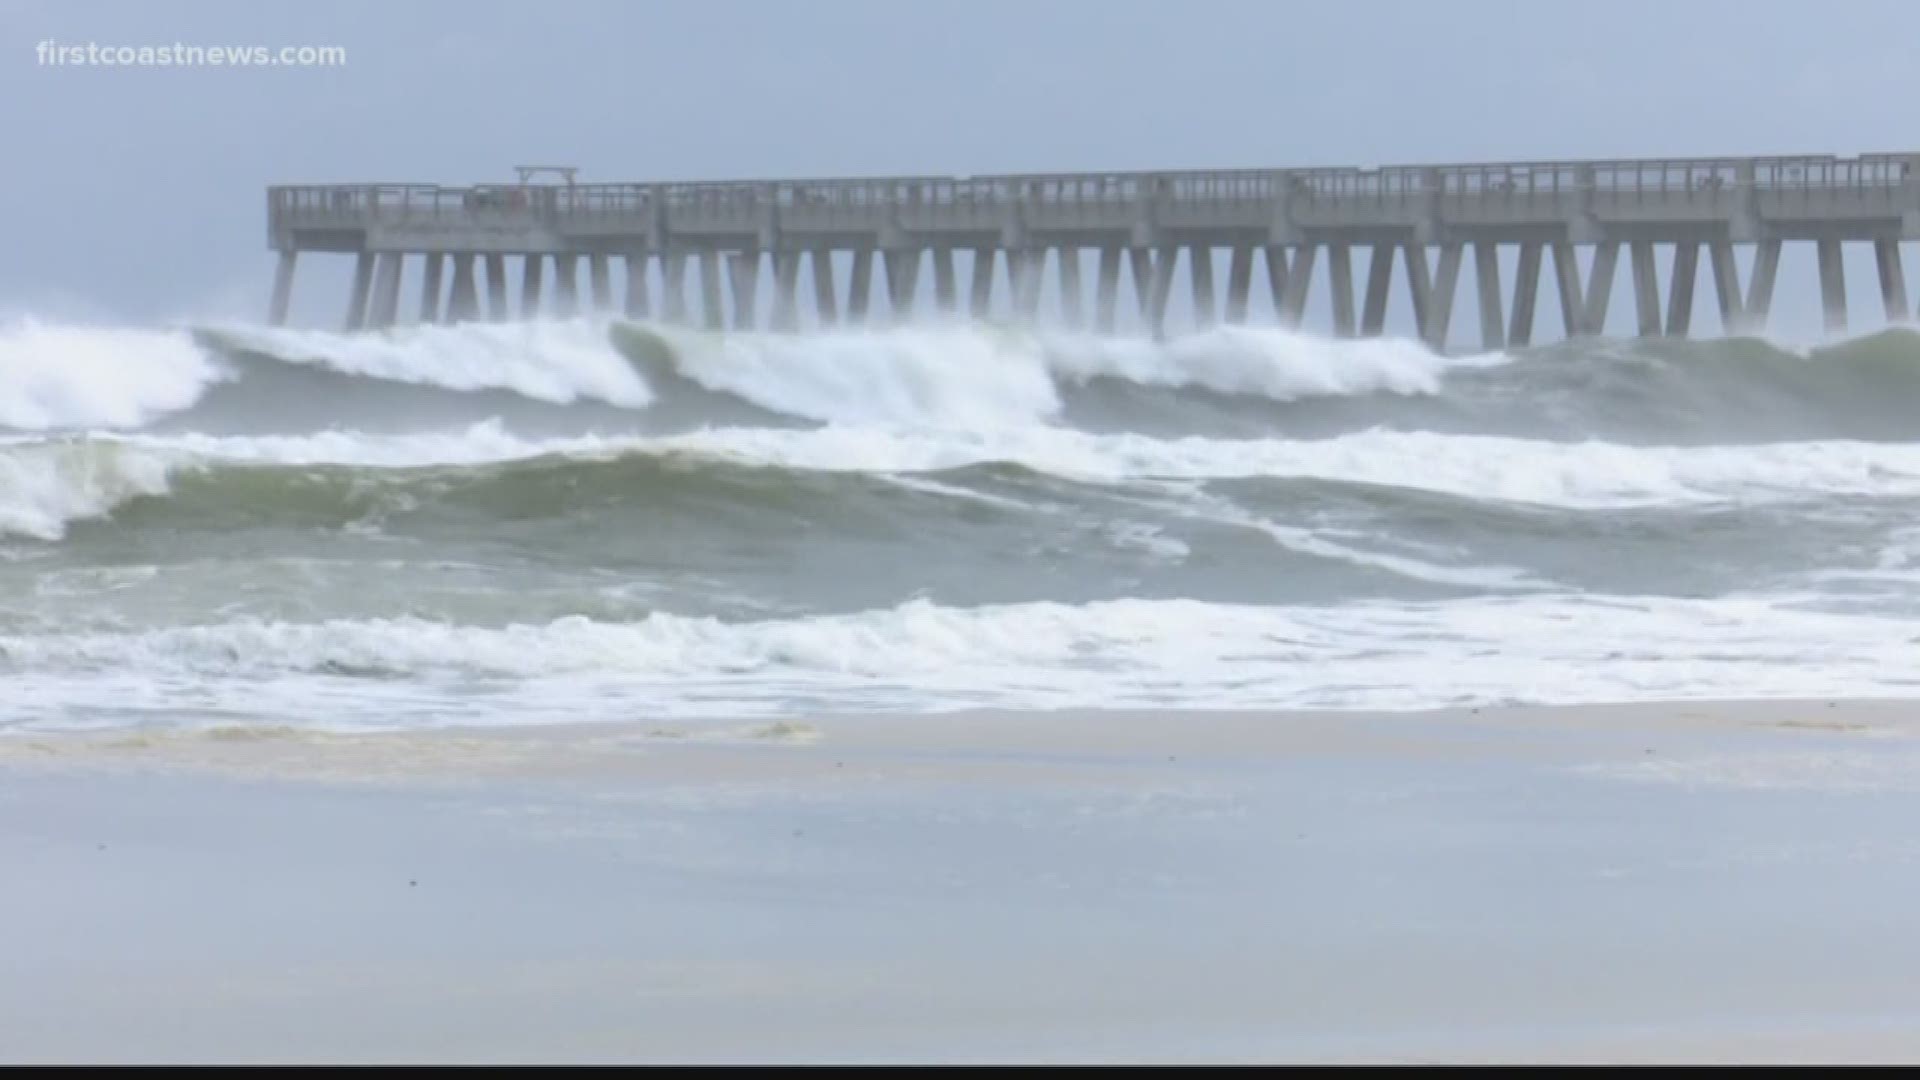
{"points": [[961, 201]]}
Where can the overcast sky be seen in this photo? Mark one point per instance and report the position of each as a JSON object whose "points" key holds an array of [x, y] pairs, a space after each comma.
{"points": [[136, 194]]}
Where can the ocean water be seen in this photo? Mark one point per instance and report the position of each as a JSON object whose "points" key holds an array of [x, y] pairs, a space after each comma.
{"points": [[600, 520]]}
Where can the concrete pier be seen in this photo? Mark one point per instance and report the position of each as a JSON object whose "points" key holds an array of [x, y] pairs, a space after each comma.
{"points": [[817, 243]]}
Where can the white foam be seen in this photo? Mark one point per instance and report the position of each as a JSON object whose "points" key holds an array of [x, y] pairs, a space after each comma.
{"points": [[45, 487], [557, 361], [965, 376], [91, 377], [1168, 653], [1549, 474]]}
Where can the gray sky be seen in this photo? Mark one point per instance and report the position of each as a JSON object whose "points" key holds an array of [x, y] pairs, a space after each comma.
{"points": [[137, 194]]}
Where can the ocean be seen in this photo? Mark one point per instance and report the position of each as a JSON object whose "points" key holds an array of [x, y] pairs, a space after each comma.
{"points": [[568, 521]]}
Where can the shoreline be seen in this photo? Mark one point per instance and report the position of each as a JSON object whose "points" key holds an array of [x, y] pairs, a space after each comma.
{"points": [[1690, 882]]}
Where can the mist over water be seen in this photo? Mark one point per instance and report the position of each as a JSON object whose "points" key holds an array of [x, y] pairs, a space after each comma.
{"points": [[516, 522]]}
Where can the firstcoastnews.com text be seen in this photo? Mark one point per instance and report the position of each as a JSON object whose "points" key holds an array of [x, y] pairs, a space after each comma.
{"points": [[93, 54]]}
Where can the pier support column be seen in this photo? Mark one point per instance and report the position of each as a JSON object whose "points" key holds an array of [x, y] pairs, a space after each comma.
{"points": [[1340, 276], [496, 268], [1766, 265], [1413, 255], [823, 292], [464, 304], [1893, 279], [712, 298], [1296, 281], [1071, 295], [1833, 286], [860, 285], [743, 276], [1486, 268], [1646, 288], [1028, 266], [1106, 300], [980, 295], [786, 290], [903, 282], [566, 286], [1239, 283], [1686, 270], [1566, 282], [430, 291], [946, 285], [362, 285], [1446, 281], [1526, 294], [1726, 286], [1140, 264], [386, 291], [1276, 260], [1200, 270], [639, 304], [282, 288], [1606, 257], [1165, 261], [1373, 311], [673, 285], [600, 280], [531, 267]]}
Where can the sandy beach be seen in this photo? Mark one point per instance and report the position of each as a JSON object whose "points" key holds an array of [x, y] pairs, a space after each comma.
{"points": [[1687, 882]]}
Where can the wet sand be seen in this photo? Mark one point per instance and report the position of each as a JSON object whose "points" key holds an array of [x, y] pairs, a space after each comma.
{"points": [[1687, 882]]}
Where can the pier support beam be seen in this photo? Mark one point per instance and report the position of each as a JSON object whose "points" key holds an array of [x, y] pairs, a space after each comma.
{"points": [[673, 275], [1340, 277], [1071, 296], [1726, 286], [1373, 312], [1239, 283], [743, 276], [823, 291], [1413, 255], [1686, 270], [386, 291], [1106, 302], [1027, 266], [1606, 256], [1893, 279], [282, 288], [464, 304], [600, 281], [1200, 270], [1294, 281], [497, 309], [639, 304], [531, 267], [566, 285], [1766, 265], [1566, 282], [902, 270], [860, 285], [1164, 263], [1140, 263], [1833, 286], [980, 294], [712, 301], [1486, 267], [1446, 281], [946, 285], [430, 287], [1646, 288], [1526, 294], [362, 285], [786, 290]]}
